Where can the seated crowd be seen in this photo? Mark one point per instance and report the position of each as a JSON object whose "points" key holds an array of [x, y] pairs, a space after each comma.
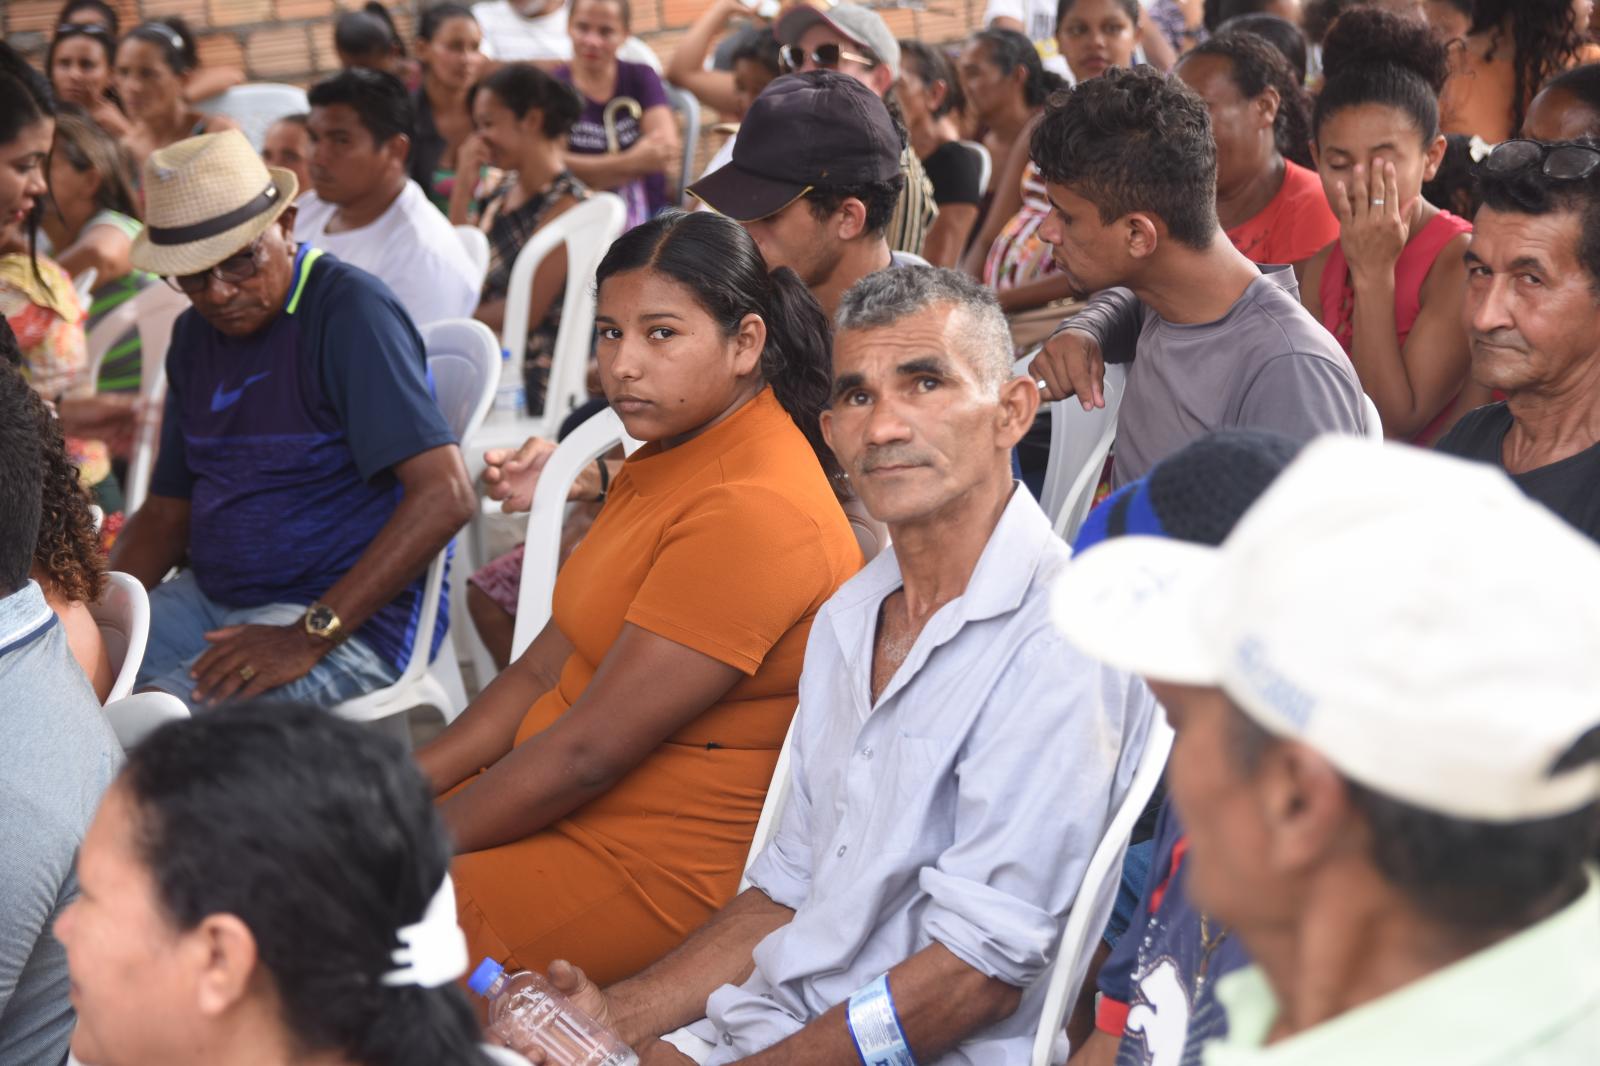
{"points": [[1327, 280]]}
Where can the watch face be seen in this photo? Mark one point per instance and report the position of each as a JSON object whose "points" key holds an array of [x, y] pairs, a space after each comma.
{"points": [[320, 617]]}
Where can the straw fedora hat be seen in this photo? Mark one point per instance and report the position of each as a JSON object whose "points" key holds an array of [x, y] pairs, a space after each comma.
{"points": [[205, 198]]}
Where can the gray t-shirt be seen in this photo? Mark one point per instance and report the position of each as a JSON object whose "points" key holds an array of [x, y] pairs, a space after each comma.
{"points": [[57, 755], [1266, 364]]}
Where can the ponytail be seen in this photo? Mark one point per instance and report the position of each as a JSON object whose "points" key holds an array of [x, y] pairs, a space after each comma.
{"points": [[713, 257], [1009, 50]]}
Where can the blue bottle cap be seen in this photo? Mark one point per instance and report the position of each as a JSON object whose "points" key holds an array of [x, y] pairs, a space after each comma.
{"points": [[487, 973]]}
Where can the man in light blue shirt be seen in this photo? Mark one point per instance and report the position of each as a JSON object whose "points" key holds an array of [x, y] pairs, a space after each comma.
{"points": [[57, 755], [954, 761]]}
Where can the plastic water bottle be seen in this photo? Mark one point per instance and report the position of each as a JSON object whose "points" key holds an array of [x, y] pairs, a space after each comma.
{"points": [[511, 394], [527, 1012]]}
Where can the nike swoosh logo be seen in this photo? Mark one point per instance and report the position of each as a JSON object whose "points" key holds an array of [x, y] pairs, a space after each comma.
{"points": [[223, 398]]}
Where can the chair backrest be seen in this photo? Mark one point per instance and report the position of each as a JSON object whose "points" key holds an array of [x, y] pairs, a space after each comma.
{"points": [[83, 285], [1086, 920], [587, 230], [153, 311], [1374, 421], [542, 547], [135, 717], [464, 362], [986, 165], [476, 242], [255, 106], [688, 105], [123, 616], [1079, 443]]}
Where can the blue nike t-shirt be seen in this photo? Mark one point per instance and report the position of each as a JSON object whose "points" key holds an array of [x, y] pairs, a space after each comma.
{"points": [[284, 443], [1157, 986]]}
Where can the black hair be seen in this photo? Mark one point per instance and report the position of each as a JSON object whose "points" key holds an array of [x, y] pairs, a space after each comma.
{"points": [[1318, 16], [368, 32], [760, 47], [1582, 82], [1282, 34], [29, 100], [106, 39], [67, 554], [434, 17], [1215, 12], [931, 65], [1529, 192], [21, 468], [99, 7], [523, 87], [172, 36], [1009, 50], [623, 6], [712, 256], [1372, 56], [321, 837], [1134, 140], [377, 97], [878, 197], [1253, 65], [1453, 186], [1545, 39], [299, 118], [1130, 8], [1469, 874]]}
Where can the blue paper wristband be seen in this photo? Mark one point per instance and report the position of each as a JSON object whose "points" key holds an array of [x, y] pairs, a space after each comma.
{"points": [[876, 1028]]}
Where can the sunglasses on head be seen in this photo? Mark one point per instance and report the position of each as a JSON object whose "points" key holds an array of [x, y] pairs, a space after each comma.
{"points": [[239, 267], [1559, 162], [825, 57], [80, 29]]}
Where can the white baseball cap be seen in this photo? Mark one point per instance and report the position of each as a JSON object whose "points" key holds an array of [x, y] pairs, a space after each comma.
{"points": [[1414, 618]]}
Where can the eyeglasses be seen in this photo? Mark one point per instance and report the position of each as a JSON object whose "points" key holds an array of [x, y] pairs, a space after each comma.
{"points": [[237, 268], [826, 57], [1559, 162], [74, 29]]}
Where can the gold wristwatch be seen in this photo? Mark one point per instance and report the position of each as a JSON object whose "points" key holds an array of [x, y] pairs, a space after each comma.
{"points": [[321, 622]]}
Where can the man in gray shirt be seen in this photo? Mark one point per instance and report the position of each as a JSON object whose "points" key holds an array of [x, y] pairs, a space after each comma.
{"points": [[1130, 168], [57, 755]]}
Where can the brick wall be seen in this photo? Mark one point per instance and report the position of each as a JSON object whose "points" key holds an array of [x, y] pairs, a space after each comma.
{"points": [[292, 40]]}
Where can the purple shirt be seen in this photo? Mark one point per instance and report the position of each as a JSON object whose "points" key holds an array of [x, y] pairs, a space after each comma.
{"points": [[644, 196]]}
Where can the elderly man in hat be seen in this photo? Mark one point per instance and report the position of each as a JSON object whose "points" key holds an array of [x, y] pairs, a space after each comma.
{"points": [[306, 473], [1387, 704]]}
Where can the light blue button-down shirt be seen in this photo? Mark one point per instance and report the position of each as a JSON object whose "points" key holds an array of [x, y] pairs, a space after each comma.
{"points": [[960, 808]]}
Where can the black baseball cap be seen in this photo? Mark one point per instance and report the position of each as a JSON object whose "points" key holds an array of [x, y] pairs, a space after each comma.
{"points": [[805, 131]]}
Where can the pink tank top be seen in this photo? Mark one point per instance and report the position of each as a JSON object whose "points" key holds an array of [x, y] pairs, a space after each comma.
{"points": [[1410, 271]]}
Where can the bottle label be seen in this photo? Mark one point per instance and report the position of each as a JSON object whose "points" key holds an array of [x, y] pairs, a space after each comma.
{"points": [[876, 1028]]}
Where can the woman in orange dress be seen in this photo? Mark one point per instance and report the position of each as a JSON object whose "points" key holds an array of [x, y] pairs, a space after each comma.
{"points": [[603, 791]]}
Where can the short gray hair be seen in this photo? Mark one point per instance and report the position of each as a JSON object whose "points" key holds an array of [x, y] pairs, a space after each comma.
{"points": [[891, 295]]}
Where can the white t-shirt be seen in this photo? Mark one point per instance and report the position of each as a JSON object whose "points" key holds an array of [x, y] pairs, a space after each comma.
{"points": [[511, 38], [411, 248]]}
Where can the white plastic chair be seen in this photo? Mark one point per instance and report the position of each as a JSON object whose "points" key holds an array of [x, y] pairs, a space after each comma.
{"points": [[1374, 422], [587, 230], [986, 170], [464, 359], [135, 717], [688, 105], [152, 311], [476, 242], [1091, 908], [1079, 443], [541, 554], [255, 106], [123, 616], [83, 285]]}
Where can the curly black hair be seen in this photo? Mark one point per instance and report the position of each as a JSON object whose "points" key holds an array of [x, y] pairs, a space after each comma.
{"points": [[1372, 56], [1254, 64], [1545, 40], [1282, 34], [1134, 140]]}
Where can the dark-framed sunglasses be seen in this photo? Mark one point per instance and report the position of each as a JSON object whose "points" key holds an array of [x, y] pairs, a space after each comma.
{"points": [[791, 57], [238, 268], [1559, 162]]}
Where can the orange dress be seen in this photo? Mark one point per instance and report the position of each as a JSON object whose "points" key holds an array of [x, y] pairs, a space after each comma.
{"points": [[727, 544]]}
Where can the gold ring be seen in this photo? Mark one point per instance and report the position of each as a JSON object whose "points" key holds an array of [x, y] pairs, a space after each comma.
{"points": [[246, 673]]}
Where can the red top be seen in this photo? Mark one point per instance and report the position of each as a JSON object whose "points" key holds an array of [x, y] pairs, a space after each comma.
{"points": [[1410, 271], [1296, 224]]}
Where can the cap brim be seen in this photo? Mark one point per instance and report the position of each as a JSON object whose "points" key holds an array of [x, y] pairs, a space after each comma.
{"points": [[176, 260], [743, 196], [1133, 602]]}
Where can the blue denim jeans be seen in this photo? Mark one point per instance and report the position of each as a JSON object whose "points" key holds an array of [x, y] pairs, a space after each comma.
{"points": [[181, 615]]}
